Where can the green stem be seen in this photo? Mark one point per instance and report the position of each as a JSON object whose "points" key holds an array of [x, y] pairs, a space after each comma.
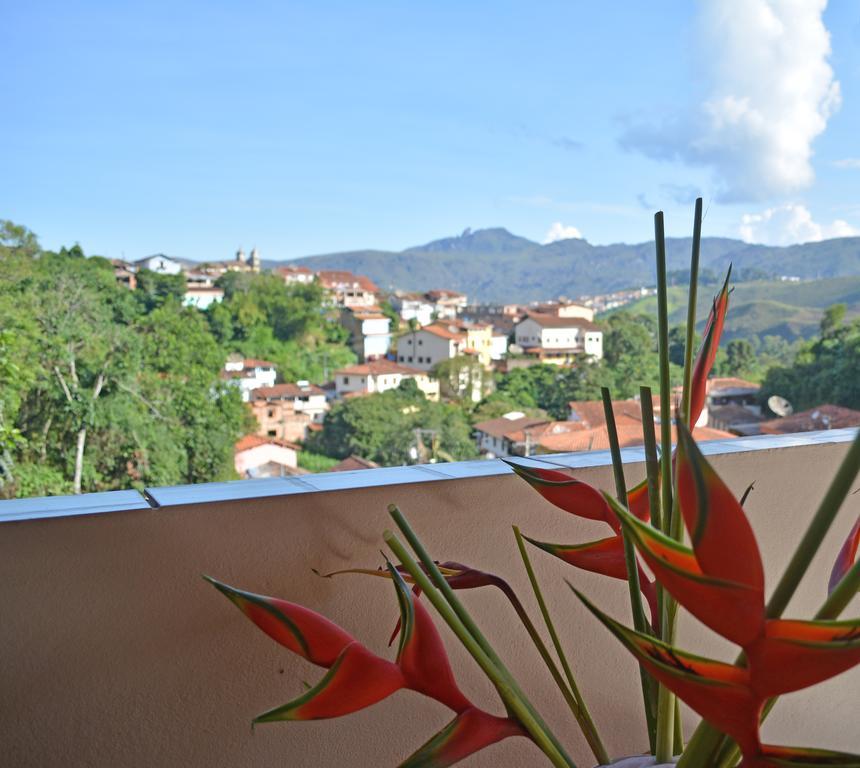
{"points": [[691, 313], [679, 729], [663, 352], [512, 697], [649, 692], [665, 698], [581, 713], [436, 577], [652, 463]]}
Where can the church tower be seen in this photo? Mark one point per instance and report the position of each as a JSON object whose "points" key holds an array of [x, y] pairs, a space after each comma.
{"points": [[240, 255], [254, 260]]}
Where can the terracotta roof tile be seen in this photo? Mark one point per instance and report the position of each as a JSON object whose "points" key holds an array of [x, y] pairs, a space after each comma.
{"points": [[254, 441], [823, 417]]}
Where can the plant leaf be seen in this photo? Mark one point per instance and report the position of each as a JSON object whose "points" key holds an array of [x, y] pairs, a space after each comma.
{"points": [[295, 627], [846, 557], [721, 535], [566, 492], [719, 692], [469, 732], [708, 351], [356, 679], [733, 610], [796, 654]]}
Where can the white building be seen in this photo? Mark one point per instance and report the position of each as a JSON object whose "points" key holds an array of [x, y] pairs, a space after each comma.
{"points": [[295, 275], [249, 374], [447, 304], [558, 340], [380, 376], [160, 263], [256, 456], [370, 331], [201, 296], [498, 345], [443, 340], [413, 306]]}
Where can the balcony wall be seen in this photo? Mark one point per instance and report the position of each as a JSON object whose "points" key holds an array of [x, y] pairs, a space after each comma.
{"points": [[116, 653]]}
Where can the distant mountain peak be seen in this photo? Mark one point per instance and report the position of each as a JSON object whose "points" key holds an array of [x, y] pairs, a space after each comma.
{"points": [[491, 239]]}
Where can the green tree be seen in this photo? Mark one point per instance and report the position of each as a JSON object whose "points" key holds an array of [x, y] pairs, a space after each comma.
{"points": [[740, 359], [825, 370], [154, 289], [382, 427]]}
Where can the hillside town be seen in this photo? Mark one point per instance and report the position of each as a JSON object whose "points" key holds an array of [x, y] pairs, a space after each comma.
{"points": [[447, 349]]}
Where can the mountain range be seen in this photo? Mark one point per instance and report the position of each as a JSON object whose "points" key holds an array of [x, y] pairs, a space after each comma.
{"points": [[493, 265]]}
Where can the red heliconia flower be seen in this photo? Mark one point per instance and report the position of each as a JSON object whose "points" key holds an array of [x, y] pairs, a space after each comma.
{"points": [[566, 492], [708, 351], [846, 557], [469, 732], [358, 678], [604, 556], [719, 692], [720, 580]]}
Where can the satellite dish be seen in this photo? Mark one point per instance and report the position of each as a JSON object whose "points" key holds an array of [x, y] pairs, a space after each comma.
{"points": [[779, 405]]}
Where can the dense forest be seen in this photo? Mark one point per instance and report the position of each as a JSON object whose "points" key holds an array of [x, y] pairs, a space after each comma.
{"points": [[105, 388]]}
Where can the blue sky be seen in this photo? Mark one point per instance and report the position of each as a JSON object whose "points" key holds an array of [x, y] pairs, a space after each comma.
{"points": [[193, 128]]}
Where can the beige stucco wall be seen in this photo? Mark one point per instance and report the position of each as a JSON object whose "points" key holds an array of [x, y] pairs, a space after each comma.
{"points": [[116, 653]]}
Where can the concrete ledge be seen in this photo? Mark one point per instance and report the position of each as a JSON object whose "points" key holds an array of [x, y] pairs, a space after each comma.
{"points": [[120, 501]]}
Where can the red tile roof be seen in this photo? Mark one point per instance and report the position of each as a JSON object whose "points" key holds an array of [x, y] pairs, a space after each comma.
{"points": [[628, 435], [377, 367], [444, 331], [285, 391], [554, 321], [255, 441], [339, 278], [730, 382], [352, 463], [590, 414], [503, 427], [823, 417]]}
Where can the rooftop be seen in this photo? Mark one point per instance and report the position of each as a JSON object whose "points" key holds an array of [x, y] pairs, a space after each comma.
{"points": [[378, 367], [248, 442], [554, 321], [822, 417], [283, 391]]}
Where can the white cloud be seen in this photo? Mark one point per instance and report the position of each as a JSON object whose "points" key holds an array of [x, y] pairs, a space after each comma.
{"points": [[559, 231], [847, 162], [788, 224], [770, 92]]}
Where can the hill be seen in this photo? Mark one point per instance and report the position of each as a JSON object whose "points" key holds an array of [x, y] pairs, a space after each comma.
{"points": [[493, 265], [761, 308]]}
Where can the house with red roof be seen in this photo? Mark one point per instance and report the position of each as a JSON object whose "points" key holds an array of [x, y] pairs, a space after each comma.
{"points": [[380, 376], [256, 456], [558, 340], [347, 289]]}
